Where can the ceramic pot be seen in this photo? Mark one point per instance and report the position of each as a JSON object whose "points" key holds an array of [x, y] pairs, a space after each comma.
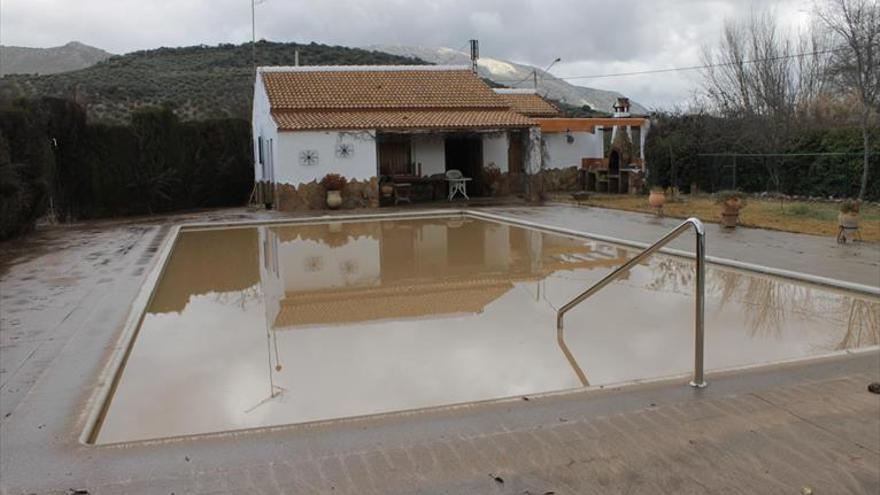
{"points": [[334, 199], [848, 220], [657, 199], [730, 212], [387, 190]]}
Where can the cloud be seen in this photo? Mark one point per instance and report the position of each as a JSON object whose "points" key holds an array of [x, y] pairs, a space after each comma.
{"points": [[591, 36]]}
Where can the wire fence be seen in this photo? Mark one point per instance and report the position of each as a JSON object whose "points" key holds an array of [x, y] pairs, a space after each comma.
{"points": [[822, 175]]}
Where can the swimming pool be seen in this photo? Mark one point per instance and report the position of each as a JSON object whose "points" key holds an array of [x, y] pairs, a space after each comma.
{"points": [[266, 325]]}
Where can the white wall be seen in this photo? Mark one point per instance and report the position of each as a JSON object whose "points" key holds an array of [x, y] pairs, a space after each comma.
{"points": [[430, 151], [361, 165], [561, 154], [307, 264], [263, 126], [495, 145]]}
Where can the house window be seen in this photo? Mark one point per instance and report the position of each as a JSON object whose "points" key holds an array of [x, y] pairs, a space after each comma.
{"points": [[260, 157], [270, 162], [394, 155], [606, 138]]}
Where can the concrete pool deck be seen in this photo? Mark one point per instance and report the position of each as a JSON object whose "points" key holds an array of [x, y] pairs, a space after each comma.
{"points": [[66, 292]]}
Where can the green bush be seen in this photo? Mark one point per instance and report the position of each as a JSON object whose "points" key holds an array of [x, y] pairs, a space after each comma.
{"points": [[25, 161], [49, 154]]}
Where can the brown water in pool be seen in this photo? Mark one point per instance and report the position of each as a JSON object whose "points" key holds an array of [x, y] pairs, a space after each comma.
{"points": [[274, 325]]}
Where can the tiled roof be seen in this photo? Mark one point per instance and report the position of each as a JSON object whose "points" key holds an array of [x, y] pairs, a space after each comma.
{"points": [[399, 301], [377, 88], [399, 119], [385, 97], [529, 104]]}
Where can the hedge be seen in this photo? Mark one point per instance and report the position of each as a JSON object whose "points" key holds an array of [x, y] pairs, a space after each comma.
{"points": [[51, 157]]}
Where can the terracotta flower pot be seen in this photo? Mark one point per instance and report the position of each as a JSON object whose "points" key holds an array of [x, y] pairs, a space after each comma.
{"points": [[657, 199], [848, 221], [730, 212], [334, 199]]}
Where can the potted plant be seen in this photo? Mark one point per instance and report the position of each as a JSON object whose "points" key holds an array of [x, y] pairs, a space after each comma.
{"points": [[731, 203], [333, 184], [848, 220], [657, 199]]}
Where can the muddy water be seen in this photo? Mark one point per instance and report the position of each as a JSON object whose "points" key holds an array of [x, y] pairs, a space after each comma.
{"points": [[264, 326]]}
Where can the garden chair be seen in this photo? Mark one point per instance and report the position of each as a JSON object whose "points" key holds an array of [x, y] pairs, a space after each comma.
{"points": [[457, 183]]}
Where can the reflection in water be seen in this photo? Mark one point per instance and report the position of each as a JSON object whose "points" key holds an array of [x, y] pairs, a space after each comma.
{"points": [[767, 302], [285, 324], [863, 325], [208, 262], [357, 272]]}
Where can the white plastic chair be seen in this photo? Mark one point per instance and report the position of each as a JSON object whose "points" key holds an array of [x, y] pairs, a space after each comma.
{"points": [[457, 183]]}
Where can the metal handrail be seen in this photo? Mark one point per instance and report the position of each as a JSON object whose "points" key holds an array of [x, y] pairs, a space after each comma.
{"points": [[699, 291]]}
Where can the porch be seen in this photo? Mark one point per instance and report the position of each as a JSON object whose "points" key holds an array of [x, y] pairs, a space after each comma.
{"points": [[413, 166]]}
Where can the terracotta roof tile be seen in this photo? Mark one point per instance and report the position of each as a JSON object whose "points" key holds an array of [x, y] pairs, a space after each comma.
{"points": [[530, 104], [373, 89], [400, 119], [404, 301]]}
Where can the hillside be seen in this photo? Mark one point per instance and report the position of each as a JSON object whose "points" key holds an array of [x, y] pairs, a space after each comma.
{"points": [[508, 73], [72, 56], [196, 82]]}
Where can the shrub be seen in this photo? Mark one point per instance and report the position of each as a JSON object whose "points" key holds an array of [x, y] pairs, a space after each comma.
{"points": [[849, 206], [722, 197], [49, 154], [25, 159], [333, 182]]}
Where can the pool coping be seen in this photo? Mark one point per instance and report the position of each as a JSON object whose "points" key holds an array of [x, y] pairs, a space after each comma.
{"points": [[98, 403]]}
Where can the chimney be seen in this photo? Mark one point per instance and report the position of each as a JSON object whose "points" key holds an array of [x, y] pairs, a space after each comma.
{"points": [[621, 108], [475, 54], [296, 57]]}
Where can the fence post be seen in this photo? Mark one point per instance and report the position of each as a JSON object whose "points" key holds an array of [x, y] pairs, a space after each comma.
{"points": [[734, 172]]}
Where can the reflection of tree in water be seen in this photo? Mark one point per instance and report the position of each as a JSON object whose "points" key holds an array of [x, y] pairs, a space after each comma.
{"points": [[863, 324], [725, 282], [672, 275], [240, 298], [766, 302]]}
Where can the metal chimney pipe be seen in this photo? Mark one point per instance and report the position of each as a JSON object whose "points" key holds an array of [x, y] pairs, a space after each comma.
{"points": [[475, 54]]}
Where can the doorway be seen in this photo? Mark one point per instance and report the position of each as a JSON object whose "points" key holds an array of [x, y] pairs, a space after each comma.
{"points": [[516, 175], [465, 153]]}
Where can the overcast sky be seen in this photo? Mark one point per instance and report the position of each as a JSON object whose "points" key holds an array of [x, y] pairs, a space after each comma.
{"points": [[592, 36]]}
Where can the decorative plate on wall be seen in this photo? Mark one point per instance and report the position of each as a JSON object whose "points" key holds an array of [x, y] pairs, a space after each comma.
{"points": [[308, 157], [344, 150]]}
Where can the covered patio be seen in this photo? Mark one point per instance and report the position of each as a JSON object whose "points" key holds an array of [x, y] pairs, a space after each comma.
{"points": [[420, 165]]}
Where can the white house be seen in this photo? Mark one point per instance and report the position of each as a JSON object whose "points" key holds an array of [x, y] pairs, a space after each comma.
{"points": [[404, 125]]}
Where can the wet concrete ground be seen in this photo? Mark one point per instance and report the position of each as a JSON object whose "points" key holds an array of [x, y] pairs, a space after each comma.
{"points": [[66, 291], [821, 256]]}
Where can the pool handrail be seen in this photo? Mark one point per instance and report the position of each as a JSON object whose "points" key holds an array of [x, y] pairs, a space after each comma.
{"points": [[699, 292]]}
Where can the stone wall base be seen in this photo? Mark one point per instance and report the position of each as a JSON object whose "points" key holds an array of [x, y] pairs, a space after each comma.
{"points": [[313, 196], [562, 179]]}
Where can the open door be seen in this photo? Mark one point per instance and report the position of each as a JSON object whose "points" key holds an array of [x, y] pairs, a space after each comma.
{"points": [[465, 153], [516, 168]]}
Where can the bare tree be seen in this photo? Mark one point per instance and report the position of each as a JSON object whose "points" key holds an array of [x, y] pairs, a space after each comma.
{"points": [[764, 77], [855, 65]]}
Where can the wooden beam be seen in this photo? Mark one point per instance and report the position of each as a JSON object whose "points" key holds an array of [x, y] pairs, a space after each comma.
{"points": [[585, 124]]}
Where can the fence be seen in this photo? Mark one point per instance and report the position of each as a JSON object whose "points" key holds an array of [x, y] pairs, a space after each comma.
{"points": [[836, 175]]}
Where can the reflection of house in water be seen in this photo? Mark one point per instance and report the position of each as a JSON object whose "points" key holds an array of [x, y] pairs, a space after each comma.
{"points": [[352, 272]]}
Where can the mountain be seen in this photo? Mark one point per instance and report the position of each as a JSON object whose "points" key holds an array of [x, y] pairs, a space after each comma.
{"points": [[197, 82], [515, 75], [72, 56]]}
